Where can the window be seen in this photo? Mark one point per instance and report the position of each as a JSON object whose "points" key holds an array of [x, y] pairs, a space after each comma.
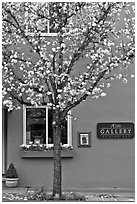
{"points": [[37, 126], [43, 24], [47, 27]]}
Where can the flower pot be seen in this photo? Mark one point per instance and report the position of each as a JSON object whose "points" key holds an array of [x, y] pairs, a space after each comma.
{"points": [[11, 182]]}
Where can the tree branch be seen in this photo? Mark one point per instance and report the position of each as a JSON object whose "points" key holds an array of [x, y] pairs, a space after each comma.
{"points": [[87, 40], [22, 31], [70, 106], [20, 100]]}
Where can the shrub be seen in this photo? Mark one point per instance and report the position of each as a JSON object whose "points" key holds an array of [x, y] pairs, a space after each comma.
{"points": [[11, 172], [39, 194], [75, 197]]}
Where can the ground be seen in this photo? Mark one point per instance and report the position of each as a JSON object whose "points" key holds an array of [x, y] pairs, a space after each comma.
{"points": [[19, 194]]}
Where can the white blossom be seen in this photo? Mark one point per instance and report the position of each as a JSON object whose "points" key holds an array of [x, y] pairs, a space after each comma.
{"points": [[67, 67], [49, 93], [132, 75], [103, 94], [54, 49], [125, 80], [108, 85], [119, 76], [49, 104], [59, 90]]}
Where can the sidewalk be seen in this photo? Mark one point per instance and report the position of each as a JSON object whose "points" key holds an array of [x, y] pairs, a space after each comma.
{"points": [[119, 197], [92, 196]]}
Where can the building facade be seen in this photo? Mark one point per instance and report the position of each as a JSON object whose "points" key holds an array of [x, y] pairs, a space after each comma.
{"points": [[105, 163], [101, 132]]}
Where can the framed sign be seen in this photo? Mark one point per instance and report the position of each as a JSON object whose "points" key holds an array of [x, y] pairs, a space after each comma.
{"points": [[84, 139], [115, 130]]}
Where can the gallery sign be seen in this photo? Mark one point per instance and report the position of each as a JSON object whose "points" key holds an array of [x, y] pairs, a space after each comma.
{"points": [[115, 130]]}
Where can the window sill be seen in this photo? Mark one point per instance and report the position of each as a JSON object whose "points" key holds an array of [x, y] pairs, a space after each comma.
{"points": [[48, 154], [48, 34], [44, 34]]}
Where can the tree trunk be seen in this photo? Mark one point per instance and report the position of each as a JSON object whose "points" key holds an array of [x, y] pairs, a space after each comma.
{"points": [[57, 179]]}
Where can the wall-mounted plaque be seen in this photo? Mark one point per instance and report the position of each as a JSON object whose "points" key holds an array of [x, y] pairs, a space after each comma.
{"points": [[84, 139], [115, 130]]}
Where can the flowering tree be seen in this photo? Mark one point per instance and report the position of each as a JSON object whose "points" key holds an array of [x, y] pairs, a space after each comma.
{"points": [[41, 70]]}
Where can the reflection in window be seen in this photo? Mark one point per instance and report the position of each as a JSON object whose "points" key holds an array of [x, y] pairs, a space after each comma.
{"points": [[39, 127], [35, 125], [64, 139]]}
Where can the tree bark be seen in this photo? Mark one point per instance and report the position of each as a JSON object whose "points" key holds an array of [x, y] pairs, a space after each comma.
{"points": [[57, 179]]}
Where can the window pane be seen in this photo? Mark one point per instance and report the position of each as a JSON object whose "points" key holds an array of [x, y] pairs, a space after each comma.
{"points": [[52, 14], [42, 25], [64, 139], [36, 125], [52, 28], [50, 129]]}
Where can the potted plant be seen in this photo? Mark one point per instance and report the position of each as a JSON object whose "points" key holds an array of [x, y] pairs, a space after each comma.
{"points": [[11, 176]]}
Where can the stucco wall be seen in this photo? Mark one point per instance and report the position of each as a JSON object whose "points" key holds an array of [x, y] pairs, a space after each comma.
{"points": [[107, 163]]}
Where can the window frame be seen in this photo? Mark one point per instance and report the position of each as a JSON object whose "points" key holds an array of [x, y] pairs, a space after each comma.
{"points": [[69, 125]]}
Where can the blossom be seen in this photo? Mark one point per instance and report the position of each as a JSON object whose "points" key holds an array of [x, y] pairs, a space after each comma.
{"points": [[59, 90], [89, 93], [119, 76], [106, 51], [23, 145], [46, 70], [18, 108], [132, 75], [53, 49], [94, 24], [125, 80], [108, 85], [6, 102], [49, 93], [49, 145], [103, 94], [42, 147], [49, 104]]}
